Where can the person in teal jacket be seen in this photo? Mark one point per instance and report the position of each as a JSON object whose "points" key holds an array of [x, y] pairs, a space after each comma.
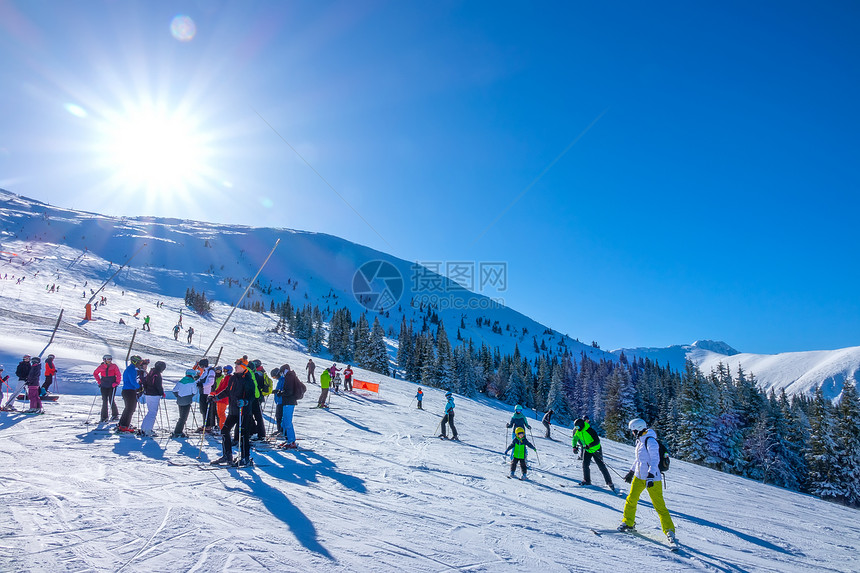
{"points": [[518, 420], [448, 418], [519, 445], [584, 435]]}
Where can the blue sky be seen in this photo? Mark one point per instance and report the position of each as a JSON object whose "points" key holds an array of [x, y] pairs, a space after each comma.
{"points": [[711, 191]]}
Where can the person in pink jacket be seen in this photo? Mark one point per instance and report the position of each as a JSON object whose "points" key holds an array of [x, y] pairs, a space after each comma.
{"points": [[108, 377]]}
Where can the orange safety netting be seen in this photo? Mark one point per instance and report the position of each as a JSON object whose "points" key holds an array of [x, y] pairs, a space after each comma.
{"points": [[360, 385]]}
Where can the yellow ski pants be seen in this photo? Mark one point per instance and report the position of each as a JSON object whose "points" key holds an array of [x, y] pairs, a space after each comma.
{"points": [[656, 494]]}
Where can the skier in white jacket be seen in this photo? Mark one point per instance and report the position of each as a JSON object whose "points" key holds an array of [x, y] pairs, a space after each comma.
{"points": [[645, 474]]}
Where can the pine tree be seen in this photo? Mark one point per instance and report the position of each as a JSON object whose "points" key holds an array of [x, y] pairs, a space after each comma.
{"points": [[377, 351], [556, 398], [696, 415], [821, 455], [446, 375], [361, 341], [620, 404], [848, 445]]}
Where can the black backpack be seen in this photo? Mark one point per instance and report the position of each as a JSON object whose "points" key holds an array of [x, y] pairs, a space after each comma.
{"points": [[665, 456], [300, 390]]}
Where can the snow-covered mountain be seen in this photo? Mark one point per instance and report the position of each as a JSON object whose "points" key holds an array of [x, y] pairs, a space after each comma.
{"points": [[310, 268], [372, 488], [796, 372]]}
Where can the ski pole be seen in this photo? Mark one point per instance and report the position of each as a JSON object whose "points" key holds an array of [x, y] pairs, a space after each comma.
{"points": [[93, 405]]}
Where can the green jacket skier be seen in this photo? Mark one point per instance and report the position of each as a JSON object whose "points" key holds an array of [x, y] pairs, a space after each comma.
{"points": [[519, 445], [585, 435]]}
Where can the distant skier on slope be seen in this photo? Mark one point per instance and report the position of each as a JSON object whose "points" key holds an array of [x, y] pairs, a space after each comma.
{"points": [[176, 330], [347, 378], [584, 434], [518, 445], [419, 397], [645, 474], [518, 420], [547, 422], [310, 368], [448, 418]]}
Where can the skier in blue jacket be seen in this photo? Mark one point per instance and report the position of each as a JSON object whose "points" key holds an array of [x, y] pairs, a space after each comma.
{"points": [[130, 386], [518, 420], [448, 418]]}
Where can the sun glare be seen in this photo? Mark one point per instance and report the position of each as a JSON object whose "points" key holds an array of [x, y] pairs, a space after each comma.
{"points": [[156, 152]]}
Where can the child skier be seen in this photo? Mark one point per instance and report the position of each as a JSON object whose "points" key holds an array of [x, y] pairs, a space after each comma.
{"points": [[419, 397], [222, 381], [184, 392], [50, 372], [519, 445], [645, 474], [518, 420]]}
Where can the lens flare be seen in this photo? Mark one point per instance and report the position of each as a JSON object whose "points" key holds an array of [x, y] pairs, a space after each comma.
{"points": [[75, 110], [183, 28]]}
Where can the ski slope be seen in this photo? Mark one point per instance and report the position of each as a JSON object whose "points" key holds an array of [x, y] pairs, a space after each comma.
{"points": [[373, 490]]}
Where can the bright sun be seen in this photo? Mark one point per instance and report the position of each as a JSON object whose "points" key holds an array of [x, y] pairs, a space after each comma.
{"points": [[155, 151]]}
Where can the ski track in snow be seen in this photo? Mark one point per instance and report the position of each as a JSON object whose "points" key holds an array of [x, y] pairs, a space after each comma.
{"points": [[375, 490]]}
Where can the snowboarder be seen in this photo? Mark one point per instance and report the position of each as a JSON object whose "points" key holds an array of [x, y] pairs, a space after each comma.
{"points": [[519, 454], [518, 420], [448, 418], [310, 368], [347, 378], [176, 330], [645, 474], [585, 435], [153, 391], [240, 390], [130, 386], [419, 397], [107, 376], [33, 377], [184, 392], [325, 381], [50, 372], [146, 323], [547, 421], [190, 332]]}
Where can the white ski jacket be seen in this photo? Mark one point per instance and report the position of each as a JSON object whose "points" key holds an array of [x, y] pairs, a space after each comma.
{"points": [[647, 457]]}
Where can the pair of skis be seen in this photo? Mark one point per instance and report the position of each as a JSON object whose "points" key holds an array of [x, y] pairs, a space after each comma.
{"points": [[672, 544]]}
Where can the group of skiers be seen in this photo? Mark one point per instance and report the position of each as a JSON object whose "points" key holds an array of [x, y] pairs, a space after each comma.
{"points": [[644, 474], [230, 400], [29, 373], [329, 377]]}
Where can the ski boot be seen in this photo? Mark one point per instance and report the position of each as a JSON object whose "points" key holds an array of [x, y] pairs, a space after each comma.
{"points": [[624, 528]]}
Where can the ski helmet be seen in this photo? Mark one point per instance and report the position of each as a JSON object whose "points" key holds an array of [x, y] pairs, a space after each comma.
{"points": [[135, 359], [518, 408], [521, 431], [159, 366], [637, 425], [204, 362], [275, 373], [35, 360], [579, 424], [448, 394], [26, 357], [228, 369], [107, 358], [50, 356], [191, 372]]}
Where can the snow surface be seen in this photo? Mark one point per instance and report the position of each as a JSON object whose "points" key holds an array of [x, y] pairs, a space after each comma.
{"points": [[373, 491]]}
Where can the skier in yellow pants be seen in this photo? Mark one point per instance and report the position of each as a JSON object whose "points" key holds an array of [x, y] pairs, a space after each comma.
{"points": [[645, 474]]}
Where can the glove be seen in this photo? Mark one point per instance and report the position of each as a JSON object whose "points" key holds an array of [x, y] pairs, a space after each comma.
{"points": [[650, 478], [507, 425], [576, 450], [629, 477], [210, 398]]}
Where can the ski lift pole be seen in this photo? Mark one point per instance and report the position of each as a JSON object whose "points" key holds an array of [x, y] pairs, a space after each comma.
{"points": [[130, 344], [250, 284], [88, 309]]}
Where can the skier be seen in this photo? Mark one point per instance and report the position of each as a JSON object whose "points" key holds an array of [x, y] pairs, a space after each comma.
{"points": [[146, 323], [3, 380], [448, 418], [153, 391], [33, 378], [584, 434], [263, 389], [23, 369], [325, 381], [419, 397], [289, 389], [336, 383], [547, 421], [176, 330], [240, 391], [645, 474], [107, 376], [190, 332], [205, 384], [518, 420], [347, 378], [310, 368], [137, 312], [130, 386], [519, 455], [222, 380], [50, 372], [184, 392]]}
